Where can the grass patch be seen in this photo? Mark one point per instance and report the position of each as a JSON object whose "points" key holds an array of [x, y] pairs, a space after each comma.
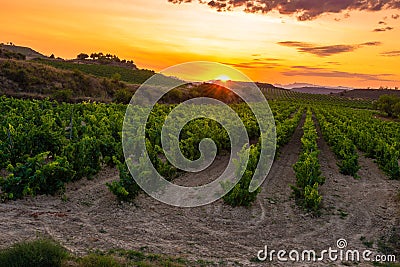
{"points": [[47, 253], [366, 242], [96, 260], [37, 253], [342, 214]]}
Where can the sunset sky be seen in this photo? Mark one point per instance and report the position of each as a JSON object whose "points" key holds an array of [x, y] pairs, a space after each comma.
{"points": [[356, 46]]}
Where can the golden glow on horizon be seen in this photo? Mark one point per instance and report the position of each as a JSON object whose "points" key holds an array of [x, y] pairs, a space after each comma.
{"points": [[203, 71], [157, 34], [223, 78]]}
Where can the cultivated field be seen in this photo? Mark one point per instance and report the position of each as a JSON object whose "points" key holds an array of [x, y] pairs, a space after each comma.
{"points": [[336, 175]]}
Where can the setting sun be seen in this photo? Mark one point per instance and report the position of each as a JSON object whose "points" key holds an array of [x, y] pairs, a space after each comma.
{"points": [[223, 78]]}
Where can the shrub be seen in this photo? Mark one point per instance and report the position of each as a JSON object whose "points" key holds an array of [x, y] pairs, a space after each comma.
{"points": [[37, 253], [64, 95], [36, 176], [389, 104], [84, 156], [122, 96], [116, 77], [126, 189], [312, 199], [240, 194]]}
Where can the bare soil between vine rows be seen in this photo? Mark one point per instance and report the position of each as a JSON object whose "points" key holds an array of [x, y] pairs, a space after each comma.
{"points": [[91, 218]]}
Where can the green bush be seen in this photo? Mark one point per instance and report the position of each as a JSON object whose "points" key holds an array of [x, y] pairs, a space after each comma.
{"points": [[349, 166], [116, 77], [36, 176], [312, 199], [84, 156], [240, 194], [307, 170], [64, 95], [126, 189], [122, 96], [390, 104], [37, 253]]}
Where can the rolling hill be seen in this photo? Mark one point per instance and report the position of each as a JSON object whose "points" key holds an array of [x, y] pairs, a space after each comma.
{"points": [[28, 52]]}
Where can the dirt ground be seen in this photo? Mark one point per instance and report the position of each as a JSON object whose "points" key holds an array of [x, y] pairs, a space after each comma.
{"points": [[89, 217]]}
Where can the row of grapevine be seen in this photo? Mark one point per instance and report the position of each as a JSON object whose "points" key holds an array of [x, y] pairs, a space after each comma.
{"points": [[366, 136], [341, 145], [286, 128], [307, 168]]}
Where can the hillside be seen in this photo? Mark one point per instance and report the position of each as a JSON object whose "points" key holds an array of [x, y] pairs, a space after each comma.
{"points": [[27, 79], [128, 75], [78, 82], [28, 52]]}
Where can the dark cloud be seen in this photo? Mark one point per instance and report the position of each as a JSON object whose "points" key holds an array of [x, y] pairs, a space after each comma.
{"points": [[395, 16], [259, 57], [327, 50], [333, 63], [395, 53], [383, 29], [382, 22], [256, 64], [267, 59], [320, 72], [371, 44], [303, 9]]}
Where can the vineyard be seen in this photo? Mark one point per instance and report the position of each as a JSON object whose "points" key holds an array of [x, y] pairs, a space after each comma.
{"points": [[53, 144], [46, 147]]}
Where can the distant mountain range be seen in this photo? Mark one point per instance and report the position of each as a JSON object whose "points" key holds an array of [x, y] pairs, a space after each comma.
{"points": [[309, 85], [314, 89]]}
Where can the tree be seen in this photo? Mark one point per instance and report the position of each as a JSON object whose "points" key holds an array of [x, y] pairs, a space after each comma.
{"points": [[396, 109], [387, 104], [52, 56], [94, 56], [82, 56]]}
